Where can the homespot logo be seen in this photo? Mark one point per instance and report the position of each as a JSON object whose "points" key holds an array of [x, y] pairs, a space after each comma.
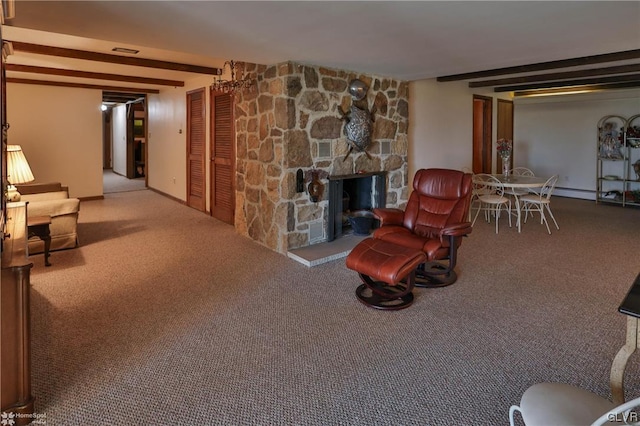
{"points": [[628, 418], [7, 419], [10, 419]]}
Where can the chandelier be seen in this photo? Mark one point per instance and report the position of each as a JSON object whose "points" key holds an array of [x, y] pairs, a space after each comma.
{"points": [[238, 80]]}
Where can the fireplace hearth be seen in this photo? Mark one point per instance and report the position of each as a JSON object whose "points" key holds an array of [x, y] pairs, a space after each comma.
{"points": [[351, 196]]}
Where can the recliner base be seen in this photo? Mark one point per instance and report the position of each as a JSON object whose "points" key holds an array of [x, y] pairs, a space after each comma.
{"points": [[380, 295], [435, 274]]}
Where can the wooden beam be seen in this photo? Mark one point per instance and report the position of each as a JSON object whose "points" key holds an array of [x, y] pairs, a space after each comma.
{"points": [[39, 49], [587, 88], [570, 83], [120, 97], [92, 75], [117, 100], [621, 69], [542, 66], [81, 86]]}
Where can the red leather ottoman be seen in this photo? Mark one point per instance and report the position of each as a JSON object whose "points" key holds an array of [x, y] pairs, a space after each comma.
{"points": [[387, 272]]}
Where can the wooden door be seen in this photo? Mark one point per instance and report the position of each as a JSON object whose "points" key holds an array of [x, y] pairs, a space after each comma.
{"points": [[482, 114], [196, 141], [5, 130], [505, 128], [106, 139], [130, 155], [222, 157]]}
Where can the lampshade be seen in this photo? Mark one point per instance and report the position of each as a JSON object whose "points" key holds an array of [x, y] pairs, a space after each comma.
{"points": [[18, 170]]}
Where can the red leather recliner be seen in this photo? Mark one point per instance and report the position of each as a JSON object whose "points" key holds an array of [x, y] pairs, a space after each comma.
{"points": [[434, 221]]}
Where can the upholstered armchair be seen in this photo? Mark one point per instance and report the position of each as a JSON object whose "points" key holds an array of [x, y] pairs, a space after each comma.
{"points": [[434, 221], [52, 199]]}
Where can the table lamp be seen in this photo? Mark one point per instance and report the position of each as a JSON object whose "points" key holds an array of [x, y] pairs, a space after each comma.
{"points": [[18, 171]]}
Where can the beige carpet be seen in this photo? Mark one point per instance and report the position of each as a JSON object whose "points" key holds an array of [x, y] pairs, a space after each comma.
{"points": [[113, 182], [165, 316]]}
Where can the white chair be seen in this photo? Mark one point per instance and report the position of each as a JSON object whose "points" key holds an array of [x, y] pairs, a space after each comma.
{"points": [[520, 171], [546, 404], [540, 202], [489, 194], [468, 170], [476, 191]]}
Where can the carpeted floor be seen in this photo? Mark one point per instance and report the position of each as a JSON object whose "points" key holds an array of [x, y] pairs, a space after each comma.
{"points": [[165, 316], [113, 182]]}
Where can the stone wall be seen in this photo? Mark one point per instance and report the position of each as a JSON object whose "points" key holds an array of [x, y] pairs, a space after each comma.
{"points": [[290, 121]]}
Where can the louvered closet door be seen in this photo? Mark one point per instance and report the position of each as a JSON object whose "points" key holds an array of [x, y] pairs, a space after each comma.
{"points": [[196, 128], [222, 157]]}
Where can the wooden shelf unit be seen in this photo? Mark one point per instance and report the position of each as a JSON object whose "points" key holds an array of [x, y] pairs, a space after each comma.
{"points": [[616, 180]]}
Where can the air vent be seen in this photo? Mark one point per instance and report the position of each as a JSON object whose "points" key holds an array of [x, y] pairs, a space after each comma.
{"points": [[316, 231], [125, 50]]}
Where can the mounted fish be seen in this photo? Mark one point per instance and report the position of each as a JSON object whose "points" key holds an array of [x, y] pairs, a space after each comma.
{"points": [[359, 127]]}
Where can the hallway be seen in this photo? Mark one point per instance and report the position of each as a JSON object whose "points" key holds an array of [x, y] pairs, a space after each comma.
{"points": [[113, 182]]}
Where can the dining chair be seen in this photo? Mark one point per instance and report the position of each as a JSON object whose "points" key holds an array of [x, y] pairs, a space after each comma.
{"points": [[545, 404], [522, 171], [518, 192], [540, 202], [491, 198], [476, 192]]}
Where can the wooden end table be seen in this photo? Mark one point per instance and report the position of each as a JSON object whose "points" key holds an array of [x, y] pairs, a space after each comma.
{"points": [[38, 226]]}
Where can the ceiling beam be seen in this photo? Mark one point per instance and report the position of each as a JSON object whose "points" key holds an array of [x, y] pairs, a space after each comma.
{"points": [[92, 75], [119, 99], [621, 69], [110, 95], [81, 86], [107, 93], [578, 89], [542, 66], [570, 83], [39, 49]]}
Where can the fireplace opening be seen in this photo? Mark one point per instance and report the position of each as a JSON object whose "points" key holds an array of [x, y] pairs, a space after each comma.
{"points": [[351, 200]]}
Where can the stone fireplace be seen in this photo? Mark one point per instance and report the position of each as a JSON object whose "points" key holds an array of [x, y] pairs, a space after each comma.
{"points": [[291, 125]]}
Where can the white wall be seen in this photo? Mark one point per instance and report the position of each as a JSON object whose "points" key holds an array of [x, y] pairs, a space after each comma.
{"points": [[60, 131], [167, 138], [558, 135], [441, 124], [119, 140], [552, 135]]}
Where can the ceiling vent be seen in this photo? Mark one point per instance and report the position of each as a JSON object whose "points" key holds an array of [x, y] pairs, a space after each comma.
{"points": [[125, 50]]}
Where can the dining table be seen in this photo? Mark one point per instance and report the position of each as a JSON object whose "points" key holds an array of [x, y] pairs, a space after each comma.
{"points": [[519, 182]]}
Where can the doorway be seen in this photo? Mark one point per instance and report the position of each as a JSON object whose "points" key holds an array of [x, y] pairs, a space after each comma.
{"points": [[124, 139], [136, 140], [482, 130]]}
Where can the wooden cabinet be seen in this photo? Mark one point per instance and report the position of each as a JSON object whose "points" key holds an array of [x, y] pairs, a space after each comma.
{"points": [[15, 323]]}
